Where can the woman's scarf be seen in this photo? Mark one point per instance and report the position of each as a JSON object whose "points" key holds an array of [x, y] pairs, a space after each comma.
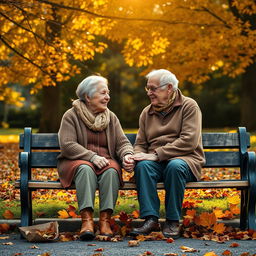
{"points": [[168, 105], [96, 123]]}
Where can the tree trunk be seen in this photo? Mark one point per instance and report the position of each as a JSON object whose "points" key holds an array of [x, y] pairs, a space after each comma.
{"points": [[248, 98], [50, 110]]}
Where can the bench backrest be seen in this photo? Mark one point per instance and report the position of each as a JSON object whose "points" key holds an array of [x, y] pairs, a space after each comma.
{"points": [[221, 149]]}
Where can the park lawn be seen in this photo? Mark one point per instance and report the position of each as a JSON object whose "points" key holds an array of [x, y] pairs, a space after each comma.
{"points": [[49, 208]]}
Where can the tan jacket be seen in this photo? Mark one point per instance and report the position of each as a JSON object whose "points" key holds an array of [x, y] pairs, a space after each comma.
{"points": [[176, 134], [73, 142]]}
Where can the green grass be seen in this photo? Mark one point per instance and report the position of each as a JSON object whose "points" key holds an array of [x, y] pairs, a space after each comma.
{"points": [[51, 207]]}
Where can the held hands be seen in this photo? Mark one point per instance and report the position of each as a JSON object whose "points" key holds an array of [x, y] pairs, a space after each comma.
{"points": [[100, 161], [128, 162], [144, 156]]}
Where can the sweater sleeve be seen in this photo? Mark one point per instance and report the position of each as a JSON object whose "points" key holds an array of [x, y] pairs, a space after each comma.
{"points": [[70, 148], [189, 137]]}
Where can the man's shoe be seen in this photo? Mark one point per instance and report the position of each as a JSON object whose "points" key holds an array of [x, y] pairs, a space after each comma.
{"points": [[172, 229], [150, 225]]}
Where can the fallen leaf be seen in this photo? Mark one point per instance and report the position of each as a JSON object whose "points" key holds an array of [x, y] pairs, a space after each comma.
{"points": [[227, 253], [34, 247], [8, 243], [219, 228], [8, 214], [133, 243], [234, 245], [63, 214], [4, 237], [187, 249], [210, 254], [91, 244], [169, 240], [171, 254], [99, 250]]}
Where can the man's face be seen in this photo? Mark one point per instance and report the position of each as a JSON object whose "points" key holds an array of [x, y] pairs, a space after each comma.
{"points": [[158, 96]]}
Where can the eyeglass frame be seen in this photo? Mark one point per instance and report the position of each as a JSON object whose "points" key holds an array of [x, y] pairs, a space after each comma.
{"points": [[154, 89]]}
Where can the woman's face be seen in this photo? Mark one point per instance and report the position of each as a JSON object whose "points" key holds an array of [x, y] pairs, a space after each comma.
{"points": [[99, 101]]}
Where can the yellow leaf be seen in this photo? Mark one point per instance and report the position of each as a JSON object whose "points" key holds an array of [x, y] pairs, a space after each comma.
{"points": [[219, 228], [234, 199], [63, 214]]}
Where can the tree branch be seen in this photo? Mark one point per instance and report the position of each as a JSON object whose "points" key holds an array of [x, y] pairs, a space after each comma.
{"points": [[22, 56], [121, 18], [19, 25]]}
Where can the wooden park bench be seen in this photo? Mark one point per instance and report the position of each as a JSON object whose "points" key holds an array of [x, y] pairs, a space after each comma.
{"points": [[222, 150]]}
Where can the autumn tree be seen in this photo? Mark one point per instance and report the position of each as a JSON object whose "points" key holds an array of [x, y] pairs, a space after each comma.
{"points": [[192, 38]]}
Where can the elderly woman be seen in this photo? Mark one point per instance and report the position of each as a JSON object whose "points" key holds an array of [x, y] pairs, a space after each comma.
{"points": [[93, 148]]}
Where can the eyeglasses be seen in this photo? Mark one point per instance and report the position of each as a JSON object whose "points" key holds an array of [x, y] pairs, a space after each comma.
{"points": [[153, 89]]}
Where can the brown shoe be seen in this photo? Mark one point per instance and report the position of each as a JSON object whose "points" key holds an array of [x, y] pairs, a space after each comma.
{"points": [[149, 226], [87, 229], [105, 229], [171, 229]]}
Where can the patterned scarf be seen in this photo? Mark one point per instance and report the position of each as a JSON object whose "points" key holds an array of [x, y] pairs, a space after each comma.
{"points": [[168, 105], [96, 123]]}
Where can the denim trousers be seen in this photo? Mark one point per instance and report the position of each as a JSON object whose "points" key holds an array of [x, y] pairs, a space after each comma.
{"points": [[174, 174]]}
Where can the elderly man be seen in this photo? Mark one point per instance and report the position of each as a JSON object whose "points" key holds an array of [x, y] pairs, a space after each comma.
{"points": [[168, 148]]}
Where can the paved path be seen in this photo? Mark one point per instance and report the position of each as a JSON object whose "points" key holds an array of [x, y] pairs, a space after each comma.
{"points": [[158, 248]]}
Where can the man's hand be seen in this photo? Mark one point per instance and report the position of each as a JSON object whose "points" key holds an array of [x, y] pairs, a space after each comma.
{"points": [[144, 156], [100, 161], [128, 162]]}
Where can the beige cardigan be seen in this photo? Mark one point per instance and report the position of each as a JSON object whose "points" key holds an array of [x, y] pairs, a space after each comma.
{"points": [[177, 134], [73, 142]]}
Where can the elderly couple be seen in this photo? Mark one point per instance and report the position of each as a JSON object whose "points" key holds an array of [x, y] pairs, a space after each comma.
{"points": [[94, 150]]}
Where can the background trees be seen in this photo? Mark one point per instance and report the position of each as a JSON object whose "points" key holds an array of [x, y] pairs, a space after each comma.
{"points": [[45, 43]]}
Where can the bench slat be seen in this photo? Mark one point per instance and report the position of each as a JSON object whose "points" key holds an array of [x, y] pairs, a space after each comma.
{"points": [[213, 159], [129, 185], [210, 140]]}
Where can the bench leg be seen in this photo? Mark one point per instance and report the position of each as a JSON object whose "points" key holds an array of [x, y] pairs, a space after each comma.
{"points": [[244, 210], [252, 190], [25, 192]]}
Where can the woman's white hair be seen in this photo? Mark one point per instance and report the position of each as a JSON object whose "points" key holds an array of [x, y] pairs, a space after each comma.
{"points": [[165, 77], [89, 86]]}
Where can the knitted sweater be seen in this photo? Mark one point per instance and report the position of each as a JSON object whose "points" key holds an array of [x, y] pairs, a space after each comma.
{"points": [[175, 134], [73, 142]]}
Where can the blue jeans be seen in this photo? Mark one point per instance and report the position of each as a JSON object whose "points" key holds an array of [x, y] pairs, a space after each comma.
{"points": [[174, 174]]}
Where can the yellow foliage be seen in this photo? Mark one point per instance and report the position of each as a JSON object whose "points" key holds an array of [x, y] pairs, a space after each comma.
{"points": [[192, 38]]}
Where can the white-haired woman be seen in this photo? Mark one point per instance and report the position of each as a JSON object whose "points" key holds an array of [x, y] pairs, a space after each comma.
{"points": [[93, 148]]}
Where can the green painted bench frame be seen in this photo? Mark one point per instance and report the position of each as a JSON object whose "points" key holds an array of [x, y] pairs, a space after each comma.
{"points": [[40, 151]]}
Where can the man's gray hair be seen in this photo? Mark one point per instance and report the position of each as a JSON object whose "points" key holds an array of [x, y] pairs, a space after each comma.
{"points": [[165, 77], [89, 86]]}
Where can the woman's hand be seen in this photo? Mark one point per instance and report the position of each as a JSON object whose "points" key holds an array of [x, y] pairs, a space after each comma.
{"points": [[100, 161], [128, 162], [144, 156]]}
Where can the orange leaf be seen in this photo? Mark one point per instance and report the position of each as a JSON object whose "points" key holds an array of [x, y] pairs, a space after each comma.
{"points": [[234, 209], [73, 214], [191, 213], [4, 227], [219, 228], [207, 219], [63, 214], [99, 250], [169, 240], [136, 214], [227, 253], [218, 213], [210, 254], [234, 245], [8, 214]]}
